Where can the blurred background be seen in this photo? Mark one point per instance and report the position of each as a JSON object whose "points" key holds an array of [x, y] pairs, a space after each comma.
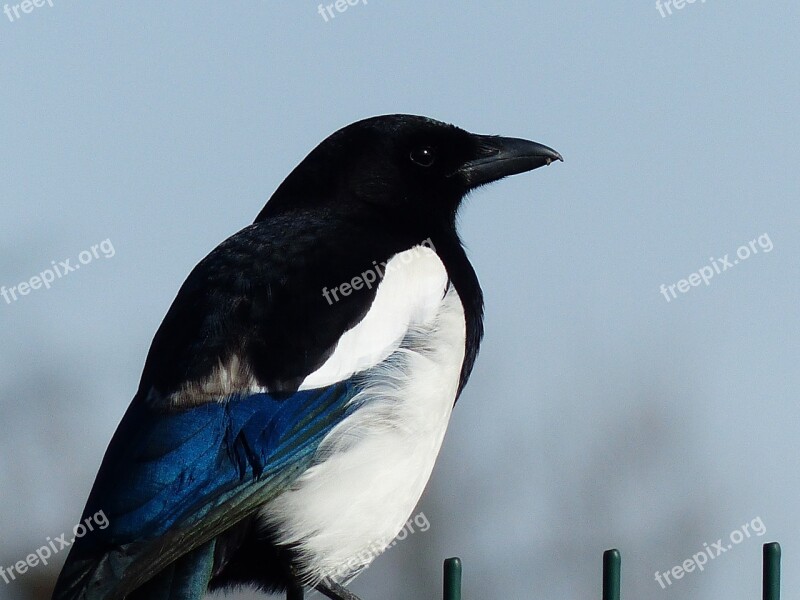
{"points": [[599, 414]]}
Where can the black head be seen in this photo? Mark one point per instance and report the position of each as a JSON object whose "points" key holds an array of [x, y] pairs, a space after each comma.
{"points": [[403, 166]]}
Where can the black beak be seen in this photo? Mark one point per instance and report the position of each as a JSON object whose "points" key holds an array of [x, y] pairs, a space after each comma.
{"points": [[500, 157]]}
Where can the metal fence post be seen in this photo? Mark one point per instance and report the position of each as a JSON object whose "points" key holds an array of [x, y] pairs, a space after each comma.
{"points": [[294, 593], [611, 574], [452, 579], [772, 572]]}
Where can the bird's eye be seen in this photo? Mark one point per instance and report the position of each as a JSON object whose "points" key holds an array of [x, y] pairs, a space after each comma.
{"points": [[424, 156]]}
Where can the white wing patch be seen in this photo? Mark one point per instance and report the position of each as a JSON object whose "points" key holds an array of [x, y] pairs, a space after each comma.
{"points": [[408, 296]]}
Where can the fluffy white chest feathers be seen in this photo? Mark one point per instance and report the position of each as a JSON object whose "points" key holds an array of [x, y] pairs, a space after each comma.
{"points": [[409, 349]]}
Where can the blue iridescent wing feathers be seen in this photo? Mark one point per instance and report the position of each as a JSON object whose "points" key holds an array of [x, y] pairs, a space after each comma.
{"points": [[190, 474]]}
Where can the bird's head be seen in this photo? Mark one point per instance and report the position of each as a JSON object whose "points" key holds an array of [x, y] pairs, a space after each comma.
{"points": [[405, 166]]}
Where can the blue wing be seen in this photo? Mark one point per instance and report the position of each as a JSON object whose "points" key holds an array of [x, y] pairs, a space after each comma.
{"points": [[174, 479]]}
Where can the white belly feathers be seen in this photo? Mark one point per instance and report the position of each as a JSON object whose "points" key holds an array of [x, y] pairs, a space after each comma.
{"points": [[345, 510]]}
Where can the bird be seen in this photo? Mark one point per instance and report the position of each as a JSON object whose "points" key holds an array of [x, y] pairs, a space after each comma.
{"points": [[296, 395]]}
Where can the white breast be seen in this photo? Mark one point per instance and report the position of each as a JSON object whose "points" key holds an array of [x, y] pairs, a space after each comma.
{"points": [[346, 509]]}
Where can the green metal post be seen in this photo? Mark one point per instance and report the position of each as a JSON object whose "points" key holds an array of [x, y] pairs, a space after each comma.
{"points": [[611, 574], [452, 579], [772, 572], [294, 592]]}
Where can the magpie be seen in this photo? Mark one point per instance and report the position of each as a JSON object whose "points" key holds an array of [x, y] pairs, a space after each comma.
{"points": [[295, 397]]}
